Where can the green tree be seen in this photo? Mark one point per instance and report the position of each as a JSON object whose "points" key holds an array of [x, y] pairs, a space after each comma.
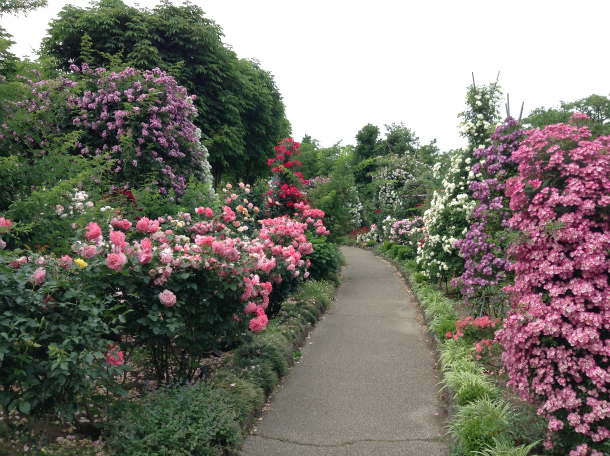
{"points": [[399, 139], [20, 6], [367, 145], [241, 113], [597, 107], [309, 157], [541, 117]]}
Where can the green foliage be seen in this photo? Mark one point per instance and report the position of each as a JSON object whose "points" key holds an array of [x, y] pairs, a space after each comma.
{"points": [[482, 423], [339, 200], [325, 260], [54, 337], [444, 326], [319, 291], [20, 6], [271, 346], [467, 386], [385, 247], [597, 107], [195, 420], [502, 448]]}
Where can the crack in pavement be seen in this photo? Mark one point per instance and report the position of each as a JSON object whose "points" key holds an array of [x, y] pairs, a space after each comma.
{"points": [[342, 444], [373, 316]]}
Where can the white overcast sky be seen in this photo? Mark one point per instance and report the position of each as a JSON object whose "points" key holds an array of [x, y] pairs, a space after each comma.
{"points": [[340, 64]]}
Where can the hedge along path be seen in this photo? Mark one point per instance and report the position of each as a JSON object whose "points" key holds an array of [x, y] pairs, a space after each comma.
{"points": [[366, 383]]}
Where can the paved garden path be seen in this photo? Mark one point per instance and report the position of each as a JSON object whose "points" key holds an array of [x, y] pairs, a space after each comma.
{"points": [[366, 383]]}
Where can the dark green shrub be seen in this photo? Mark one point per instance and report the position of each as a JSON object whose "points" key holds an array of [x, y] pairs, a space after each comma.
{"points": [[393, 252], [325, 260], [383, 248], [244, 397], [259, 371], [187, 420], [271, 346], [403, 253]]}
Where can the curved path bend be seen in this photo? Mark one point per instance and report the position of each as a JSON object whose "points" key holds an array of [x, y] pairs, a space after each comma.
{"points": [[366, 383]]}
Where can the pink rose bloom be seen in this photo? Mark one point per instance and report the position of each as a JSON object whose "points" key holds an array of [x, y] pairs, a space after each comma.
{"points": [[117, 238], [250, 308], [204, 240], [18, 262], [209, 213], [2, 244], [114, 357], [93, 231], [166, 256], [143, 225], [200, 210], [39, 275], [123, 224], [167, 298], [65, 261], [144, 256], [5, 222], [116, 261], [229, 215], [259, 323], [88, 251]]}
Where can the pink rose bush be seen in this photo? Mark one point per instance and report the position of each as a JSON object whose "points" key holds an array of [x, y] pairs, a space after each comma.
{"points": [[557, 336], [197, 270], [54, 318]]}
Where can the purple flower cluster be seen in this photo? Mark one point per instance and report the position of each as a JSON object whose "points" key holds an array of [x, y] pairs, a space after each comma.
{"points": [[140, 119], [557, 335], [484, 246]]}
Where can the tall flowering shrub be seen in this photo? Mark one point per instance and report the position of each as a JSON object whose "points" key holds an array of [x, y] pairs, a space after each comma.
{"points": [[286, 184], [408, 232], [139, 119], [557, 335], [447, 218], [400, 185], [487, 267]]}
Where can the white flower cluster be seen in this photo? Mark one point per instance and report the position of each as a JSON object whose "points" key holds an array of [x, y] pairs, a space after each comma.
{"points": [[79, 204], [204, 173], [452, 206], [355, 208]]}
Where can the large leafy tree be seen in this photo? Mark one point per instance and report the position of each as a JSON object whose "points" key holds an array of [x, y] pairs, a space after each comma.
{"points": [[241, 113]]}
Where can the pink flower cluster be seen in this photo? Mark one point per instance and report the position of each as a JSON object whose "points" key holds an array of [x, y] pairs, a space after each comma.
{"points": [[557, 336], [178, 244], [114, 357]]}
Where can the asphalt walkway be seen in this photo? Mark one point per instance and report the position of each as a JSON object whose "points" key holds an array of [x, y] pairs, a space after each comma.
{"points": [[366, 383]]}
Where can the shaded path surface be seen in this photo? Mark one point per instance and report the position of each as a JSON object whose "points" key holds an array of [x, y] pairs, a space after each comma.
{"points": [[366, 383]]}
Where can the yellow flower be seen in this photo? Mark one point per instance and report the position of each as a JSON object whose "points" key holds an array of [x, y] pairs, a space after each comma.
{"points": [[82, 263]]}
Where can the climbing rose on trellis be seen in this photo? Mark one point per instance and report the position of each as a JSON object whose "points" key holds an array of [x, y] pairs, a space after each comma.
{"points": [[285, 188], [486, 267], [557, 336]]}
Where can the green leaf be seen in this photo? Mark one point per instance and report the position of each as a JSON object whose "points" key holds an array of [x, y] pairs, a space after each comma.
{"points": [[25, 407]]}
